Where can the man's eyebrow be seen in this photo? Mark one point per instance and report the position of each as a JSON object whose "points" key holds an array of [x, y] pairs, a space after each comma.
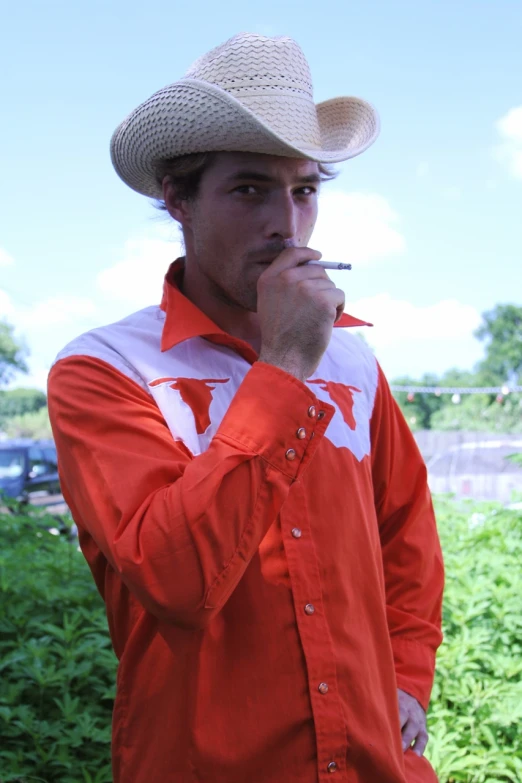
{"points": [[257, 176]]}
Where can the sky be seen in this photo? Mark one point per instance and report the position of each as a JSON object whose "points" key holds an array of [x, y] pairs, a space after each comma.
{"points": [[430, 216]]}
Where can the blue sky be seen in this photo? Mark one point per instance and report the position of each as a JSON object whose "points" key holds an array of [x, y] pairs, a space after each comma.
{"points": [[430, 216]]}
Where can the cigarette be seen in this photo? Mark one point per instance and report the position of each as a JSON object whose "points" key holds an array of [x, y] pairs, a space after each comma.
{"points": [[330, 264]]}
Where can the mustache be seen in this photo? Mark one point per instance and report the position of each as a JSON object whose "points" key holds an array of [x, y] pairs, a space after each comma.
{"points": [[273, 248]]}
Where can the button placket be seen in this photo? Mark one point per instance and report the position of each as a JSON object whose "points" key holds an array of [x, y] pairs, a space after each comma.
{"points": [[314, 634]]}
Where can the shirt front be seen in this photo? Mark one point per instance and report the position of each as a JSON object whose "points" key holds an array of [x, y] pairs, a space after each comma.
{"points": [[266, 550]]}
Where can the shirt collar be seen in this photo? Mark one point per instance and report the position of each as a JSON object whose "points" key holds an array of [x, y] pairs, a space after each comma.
{"points": [[184, 320]]}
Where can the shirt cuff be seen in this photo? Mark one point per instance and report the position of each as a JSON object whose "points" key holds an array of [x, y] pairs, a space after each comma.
{"points": [[414, 669], [276, 416]]}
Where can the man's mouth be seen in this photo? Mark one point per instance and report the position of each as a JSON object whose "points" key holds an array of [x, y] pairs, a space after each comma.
{"points": [[267, 261]]}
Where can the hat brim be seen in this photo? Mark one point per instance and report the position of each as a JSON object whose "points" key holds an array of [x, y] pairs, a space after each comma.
{"points": [[194, 116]]}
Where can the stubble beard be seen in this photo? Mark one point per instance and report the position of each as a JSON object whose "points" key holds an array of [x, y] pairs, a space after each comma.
{"points": [[234, 290]]}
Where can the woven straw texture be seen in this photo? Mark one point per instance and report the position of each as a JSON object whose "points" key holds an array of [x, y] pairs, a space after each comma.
{"points": [[250, 94]]}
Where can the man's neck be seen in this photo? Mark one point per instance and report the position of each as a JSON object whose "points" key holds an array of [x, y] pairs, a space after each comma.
{"points": [[230, 317]]}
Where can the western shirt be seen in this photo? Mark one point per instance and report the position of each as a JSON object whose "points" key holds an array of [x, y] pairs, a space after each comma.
{"points": [[266, 550]]}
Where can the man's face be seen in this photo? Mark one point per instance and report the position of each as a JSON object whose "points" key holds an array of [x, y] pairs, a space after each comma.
{"points": [[249, 208]]}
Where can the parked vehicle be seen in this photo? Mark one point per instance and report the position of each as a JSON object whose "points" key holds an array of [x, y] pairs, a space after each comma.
{"points": [[28, 469], [479, 470]]}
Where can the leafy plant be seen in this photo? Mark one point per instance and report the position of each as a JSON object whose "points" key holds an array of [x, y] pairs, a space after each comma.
{"points": [[57, 669], [476, 708]]}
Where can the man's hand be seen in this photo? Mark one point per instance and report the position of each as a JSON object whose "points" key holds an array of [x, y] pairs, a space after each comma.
{"points": [[297, 306], [413, 723]]}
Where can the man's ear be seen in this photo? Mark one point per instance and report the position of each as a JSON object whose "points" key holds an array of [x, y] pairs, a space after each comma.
{"points": [[177, 207]]}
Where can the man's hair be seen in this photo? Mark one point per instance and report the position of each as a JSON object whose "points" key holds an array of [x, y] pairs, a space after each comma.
{"points": [[185, 173]]}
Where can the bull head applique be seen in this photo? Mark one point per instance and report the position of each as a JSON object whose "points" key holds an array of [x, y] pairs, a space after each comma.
{"points": [[197, 394], [342, 396]]}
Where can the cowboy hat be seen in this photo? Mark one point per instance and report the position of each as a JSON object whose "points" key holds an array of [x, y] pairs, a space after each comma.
{"points": [[250, 94]]}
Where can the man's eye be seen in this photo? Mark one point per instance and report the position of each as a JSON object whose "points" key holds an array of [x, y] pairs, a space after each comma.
{"points": [[307, 191], [249, 190]]}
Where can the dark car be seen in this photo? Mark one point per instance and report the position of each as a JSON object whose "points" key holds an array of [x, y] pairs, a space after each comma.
{"points": [[28, 469]]}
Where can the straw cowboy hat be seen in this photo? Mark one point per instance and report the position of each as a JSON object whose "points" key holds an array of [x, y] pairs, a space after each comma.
{"points": [[251, 94]]}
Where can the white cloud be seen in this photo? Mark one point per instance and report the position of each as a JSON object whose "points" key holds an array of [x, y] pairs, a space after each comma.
{"points": [[5, 258], [57, 310], [48, 312], [138, 277], [396, 319], [509, 151], [6, 306], [356, 228], [413, 340]]}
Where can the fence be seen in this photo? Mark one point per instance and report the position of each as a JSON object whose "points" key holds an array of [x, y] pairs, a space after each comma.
{"points": [[472, 464]]}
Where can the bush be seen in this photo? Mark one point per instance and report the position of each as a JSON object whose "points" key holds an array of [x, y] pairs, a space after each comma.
{"points": [[57, 670], [476, 707]]}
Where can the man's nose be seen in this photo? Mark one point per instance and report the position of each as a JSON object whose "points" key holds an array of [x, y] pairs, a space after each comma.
{"points": [[283, 217]]}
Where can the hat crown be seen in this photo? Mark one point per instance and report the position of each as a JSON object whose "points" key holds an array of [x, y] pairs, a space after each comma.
{"points": [[250, 94], [250, 64]]}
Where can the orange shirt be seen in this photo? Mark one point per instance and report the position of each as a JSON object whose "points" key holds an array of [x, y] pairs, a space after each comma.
{"points": [[266, 550]]}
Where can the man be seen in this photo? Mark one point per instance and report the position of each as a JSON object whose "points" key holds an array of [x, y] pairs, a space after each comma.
{"points": [[251, 503]]}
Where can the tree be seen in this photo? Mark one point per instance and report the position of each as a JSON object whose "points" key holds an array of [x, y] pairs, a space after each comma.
{"points": [[16, 402], [34, 425], [418, 408], [12, 353], [502, 331]]}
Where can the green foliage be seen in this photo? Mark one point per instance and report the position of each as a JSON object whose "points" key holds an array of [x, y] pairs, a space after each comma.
{"points": [[29, 425], [12, 353], [476, 707], [58, 670], [16, 402], [56, 663], [501, 328], [419, 410], [481, 413]]}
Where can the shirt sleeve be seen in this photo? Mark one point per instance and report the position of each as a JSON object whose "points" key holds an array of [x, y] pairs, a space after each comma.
{"points": [[412, 557], [180, 530]]}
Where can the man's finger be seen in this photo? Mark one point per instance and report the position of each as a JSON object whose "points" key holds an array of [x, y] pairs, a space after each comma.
{"points": [[420, 742], [293, 257], [410, 732], [403, 715]]}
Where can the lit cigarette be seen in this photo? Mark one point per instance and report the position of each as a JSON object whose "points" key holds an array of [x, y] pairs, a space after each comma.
{"points": [[330, 264]]}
